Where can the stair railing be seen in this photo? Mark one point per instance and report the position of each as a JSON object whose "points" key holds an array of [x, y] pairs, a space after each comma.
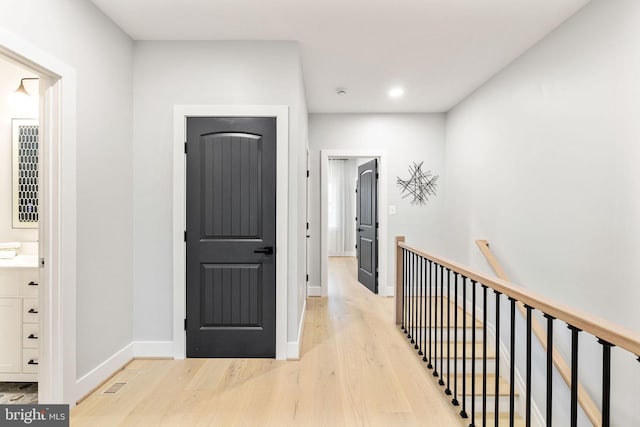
{"points": [[421, 276], [584, 400]]}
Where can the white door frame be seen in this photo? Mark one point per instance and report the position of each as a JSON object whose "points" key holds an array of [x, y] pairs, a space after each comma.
{"points": [[180, 115], [57, 368], [383, 239]]}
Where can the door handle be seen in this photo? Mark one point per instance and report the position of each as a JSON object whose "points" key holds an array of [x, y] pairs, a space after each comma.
{"points": [[360, 229], [32, 362], [266, 250], [32, 311], [32, 284]]}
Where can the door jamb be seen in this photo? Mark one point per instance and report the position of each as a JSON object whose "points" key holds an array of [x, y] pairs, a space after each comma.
{"points": [[180, 114], [383, 240], [57, 373]]}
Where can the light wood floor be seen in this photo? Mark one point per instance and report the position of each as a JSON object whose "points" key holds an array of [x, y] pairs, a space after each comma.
{"points": [[356, 369]]}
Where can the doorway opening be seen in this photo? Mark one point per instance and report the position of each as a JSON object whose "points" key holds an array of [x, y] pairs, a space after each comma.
{"points": [[47, 314], [345, 214], [343, 232], [19, 233]]}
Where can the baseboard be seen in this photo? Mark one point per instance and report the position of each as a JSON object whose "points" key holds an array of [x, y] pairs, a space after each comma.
{"points": [[294, 347], [314, 291], [153, 349], [386, 291], [97, 376]]}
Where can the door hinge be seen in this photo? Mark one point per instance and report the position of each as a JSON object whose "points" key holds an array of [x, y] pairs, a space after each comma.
{"points": [[307, 225], [307, 277], [356, 246], [185, 235], [377, 225], [185, 148], [377, 175], [356, 191], [42, 263], [307, 174], [185, 324]]}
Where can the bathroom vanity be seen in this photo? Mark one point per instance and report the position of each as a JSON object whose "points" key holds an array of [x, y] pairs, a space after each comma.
{"points": [[19, 319]]}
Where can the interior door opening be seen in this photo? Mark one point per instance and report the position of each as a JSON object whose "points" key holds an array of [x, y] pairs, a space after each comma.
{"points": [[345, 234], [20, 232]]}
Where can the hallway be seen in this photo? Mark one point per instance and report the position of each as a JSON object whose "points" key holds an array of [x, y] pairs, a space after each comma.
{"points": [[356, 369]]}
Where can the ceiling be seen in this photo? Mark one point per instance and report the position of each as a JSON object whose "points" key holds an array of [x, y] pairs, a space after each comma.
{"points": [[438, 50]]}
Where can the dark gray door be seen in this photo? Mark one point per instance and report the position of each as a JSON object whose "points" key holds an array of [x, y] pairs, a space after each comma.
{"points": [[231, 213], [367, 224]]}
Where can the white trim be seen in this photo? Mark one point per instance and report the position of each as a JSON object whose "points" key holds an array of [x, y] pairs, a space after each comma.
{"points": [[383, 240], [294, 347], [92, 380], [343, 254], [314, 291], [180, 113], [153, 349], [57, 377]]}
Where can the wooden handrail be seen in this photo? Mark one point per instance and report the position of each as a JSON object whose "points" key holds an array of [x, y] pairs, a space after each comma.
{"points": [[597, 326], [587, 404]]}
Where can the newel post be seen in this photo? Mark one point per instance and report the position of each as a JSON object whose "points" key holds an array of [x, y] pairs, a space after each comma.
{"points": [[399, 271]]}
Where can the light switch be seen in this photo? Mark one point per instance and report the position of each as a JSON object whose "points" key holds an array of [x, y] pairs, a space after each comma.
{"points": [[392, 209]]}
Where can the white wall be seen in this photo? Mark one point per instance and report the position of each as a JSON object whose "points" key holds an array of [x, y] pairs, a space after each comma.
{"points": [[406, 138], [10, 75], [77, 33], [543, 162], [222, 73]]}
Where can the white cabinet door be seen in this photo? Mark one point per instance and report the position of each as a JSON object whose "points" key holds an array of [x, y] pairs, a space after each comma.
{"points": [[11, 333]]}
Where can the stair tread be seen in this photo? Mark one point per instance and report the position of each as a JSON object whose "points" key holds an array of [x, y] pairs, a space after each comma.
{"points": [[504, 385], [469, 346], [452, 312], [503, 420]]}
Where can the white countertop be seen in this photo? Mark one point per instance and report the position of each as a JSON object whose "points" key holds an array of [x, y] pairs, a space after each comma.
{"points": [[20, 261]]}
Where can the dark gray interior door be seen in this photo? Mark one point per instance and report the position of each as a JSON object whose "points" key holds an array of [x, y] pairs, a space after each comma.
{"points": [[231, 213], [367, 224]]}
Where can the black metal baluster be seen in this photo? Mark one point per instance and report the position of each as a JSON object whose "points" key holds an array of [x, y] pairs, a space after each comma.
{"points": [[425, 293], [410, 297], [430, 298], [435, 320], [420, 297], [484, 355], [496, 409], [606, 382], [404, 268], [455, 341], [463, 412], [574, 375], [413, 298], [549, 411], [528, 380], [473, 353], [441, 381], [512, 361], [415, 303], [447, 391]]}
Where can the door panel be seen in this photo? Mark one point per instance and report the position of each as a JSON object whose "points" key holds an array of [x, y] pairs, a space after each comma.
{"points": [[231, 184], [367, 224]]}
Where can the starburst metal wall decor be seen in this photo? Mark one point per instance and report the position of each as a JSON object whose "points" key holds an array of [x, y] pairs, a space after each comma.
{"points": [[421, 184]]}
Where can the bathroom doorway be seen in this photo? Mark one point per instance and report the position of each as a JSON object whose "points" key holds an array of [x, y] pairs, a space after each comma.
{"points": [[20, 183]]}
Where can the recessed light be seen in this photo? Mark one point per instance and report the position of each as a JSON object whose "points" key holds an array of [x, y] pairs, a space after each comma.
{"points": [[341, 91], [396, 92]]}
